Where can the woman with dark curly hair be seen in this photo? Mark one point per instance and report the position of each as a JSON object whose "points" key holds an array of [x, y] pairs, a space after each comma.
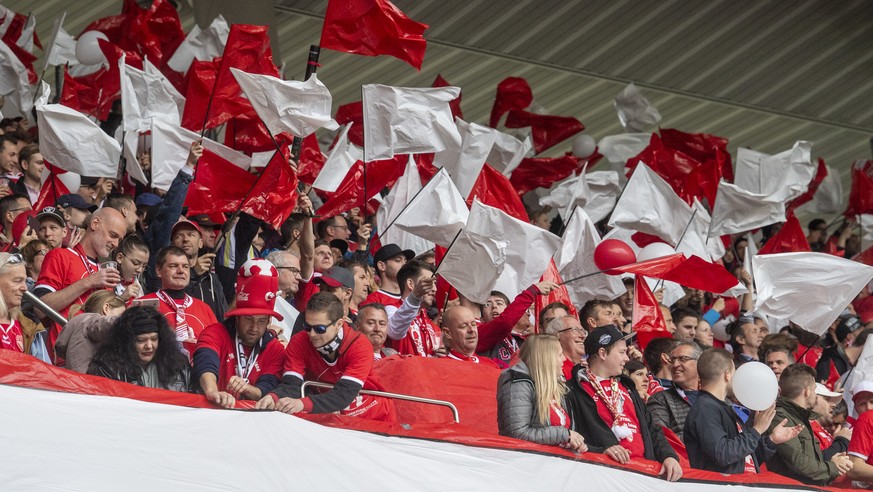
{"points": [[142, 350]]}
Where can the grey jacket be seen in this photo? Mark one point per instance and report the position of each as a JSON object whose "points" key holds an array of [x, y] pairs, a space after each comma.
{"points": [[516, 413], [79, 340], [669, 409]]}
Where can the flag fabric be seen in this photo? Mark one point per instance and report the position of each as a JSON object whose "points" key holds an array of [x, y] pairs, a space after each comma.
{"points": [[130, 150], [247, 133], [436, 214], [556, 295], [350, 193], [455, 104], [473, 264], [311, 161], [576, 258], [409, 120], [670, 164], [596, 192], [147, 95], [170, 147], [861, 192], [789, 239], [809, 289], [404, 190], [339, 162], [528, 248], [274, 195], [15, 79], [737, 210], [508, 152], [621, 148], [648, 204], [693, 272], [699, 146], [75, 143], [51, 189], [512, 93], [352, 113], [780, 177], [199, 84], [373, 28], [494, 189], [464, 162], [546, 130], [543, 172], [821, 173], [62, 50], [200, 44], [648, 320], [218, 186], [635, 112], [298, 108]]}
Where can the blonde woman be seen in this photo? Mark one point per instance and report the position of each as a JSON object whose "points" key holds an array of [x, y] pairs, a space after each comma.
{"points": [[530, 397], [17, 332]]}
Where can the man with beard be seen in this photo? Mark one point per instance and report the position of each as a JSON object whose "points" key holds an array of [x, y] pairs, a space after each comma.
{"points": [[388, 262], [410, 331], [670, 407], [373, 323], [204, 283]]}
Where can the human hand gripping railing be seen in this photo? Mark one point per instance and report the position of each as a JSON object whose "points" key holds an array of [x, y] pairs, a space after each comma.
{"points": [[396, 396]]}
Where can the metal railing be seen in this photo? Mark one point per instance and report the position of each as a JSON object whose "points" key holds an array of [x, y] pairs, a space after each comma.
{"points": [[51, 313], [396, 396]]}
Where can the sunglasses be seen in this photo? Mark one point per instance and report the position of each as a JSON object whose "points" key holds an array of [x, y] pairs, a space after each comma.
{"points": [[320, 329], [15, 259]]}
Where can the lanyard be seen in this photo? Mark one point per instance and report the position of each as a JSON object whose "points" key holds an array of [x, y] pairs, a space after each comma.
{"points": [[244, 366], [85, 261]]}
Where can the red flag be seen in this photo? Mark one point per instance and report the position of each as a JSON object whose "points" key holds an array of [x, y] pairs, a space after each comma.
{"points": [[247, 49], [642, 239], [648, 320], [311, 160], [789, 239], [820, 174], [426, 169], [698, 146], [274, 196], [512, 93], [373, 28], [199, 82], [380, 174], [672, 165], [546, 130], [352, 113], [691, 272], [16, 26], [72, 93], [702, 181], [454, 104], [495, 190], [541, 172], [861, 194], [157, 32], [114, 26], [558, 295], [51, 189], [248, 134], [219, 185], [865, 257]]}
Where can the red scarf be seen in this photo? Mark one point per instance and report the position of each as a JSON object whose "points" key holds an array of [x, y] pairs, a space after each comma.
{"points": [[182, 330]]}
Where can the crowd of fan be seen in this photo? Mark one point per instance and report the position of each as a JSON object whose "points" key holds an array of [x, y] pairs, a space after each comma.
{"points": [[196, 304]]}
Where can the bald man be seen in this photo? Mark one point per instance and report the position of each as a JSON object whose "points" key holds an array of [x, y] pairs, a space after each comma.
{"points": [[70, 275], [461, 335]]}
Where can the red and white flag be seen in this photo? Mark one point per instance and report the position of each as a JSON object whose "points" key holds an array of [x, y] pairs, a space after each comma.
{"points": [[200, 44], [436, 214]]}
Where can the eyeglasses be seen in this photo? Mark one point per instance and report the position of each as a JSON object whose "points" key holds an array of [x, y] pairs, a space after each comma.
{"points": [[15, 259], [320, 329], [41, 252], [295, 271], [575, 330], [682, 359]]}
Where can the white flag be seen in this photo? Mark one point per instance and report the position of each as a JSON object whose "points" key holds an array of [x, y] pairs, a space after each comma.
{"points": [[130, 148], [339, 162], [298, 108], [403, 191], [635, 112], [473, 265], [810, 289], [780, 177], [14, 83], [528, 252], [695, 241], [72, 142], [200, 45], [171, 145], [576, 258], [751, 251], [737, 210], [648, 204], [145, 96], [437, 214], [62, 49], [596, 192], [25, 39], [507, 152], [620, 148], [401, 120], [828, 199], [464, 162]]}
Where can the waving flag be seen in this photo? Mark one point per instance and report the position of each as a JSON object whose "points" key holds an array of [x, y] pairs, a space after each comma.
{"points": [[648, 320], [404, 190], [437, 213], [199, 44], [75, 143], [546, 130], [464, 162], [274, 195], [147, 95], [218, 186], [861, 193], [474, 264], [780, 177], [737, 210], [789, 239], [635, 112], [340, 161], [512, 93]]}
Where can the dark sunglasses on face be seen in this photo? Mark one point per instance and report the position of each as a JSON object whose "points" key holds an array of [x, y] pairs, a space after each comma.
{"points": [[320, 329]]}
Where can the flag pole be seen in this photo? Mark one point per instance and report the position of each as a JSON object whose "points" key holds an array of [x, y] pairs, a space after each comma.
{"points": [[311, 67], [437, 269], [684, 231], [581, 277], [382, 233]]}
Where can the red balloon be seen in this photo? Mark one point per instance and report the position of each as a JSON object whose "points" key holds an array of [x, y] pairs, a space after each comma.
{"points": [[612, 253]]}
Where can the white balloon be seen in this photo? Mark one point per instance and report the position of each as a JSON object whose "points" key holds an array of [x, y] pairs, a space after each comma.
{"points": [[655, 250], [583, 145], [755, 386], [88, 49]]}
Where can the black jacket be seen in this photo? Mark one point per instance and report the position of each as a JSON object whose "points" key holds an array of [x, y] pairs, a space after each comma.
{"points": [[598, 436], [833, 354], [713, 441]]}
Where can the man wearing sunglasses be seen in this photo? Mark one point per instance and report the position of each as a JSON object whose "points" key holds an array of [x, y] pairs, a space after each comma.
{"points": [[670, 407], [330, 352]]}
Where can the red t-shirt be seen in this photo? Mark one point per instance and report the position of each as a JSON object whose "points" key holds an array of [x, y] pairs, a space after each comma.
{"points": [[422, 338], [271, 360], [634, 443], [558, 416], [62, 268], [384, 298], [568, 369], [825, 439], [11, 337], [306, 290], [861, 444], [476, 359], [198, 316]]}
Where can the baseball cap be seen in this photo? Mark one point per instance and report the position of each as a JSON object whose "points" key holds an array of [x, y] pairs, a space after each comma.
{"points": [[74, 200], [183, 222], [847, 325], [861, 388], [203, 220], [147, 200], [390, 251], [823, 390], [603, 337], [20, 224], [256, 285], [340, 244], [52, 212], [338, 277]]}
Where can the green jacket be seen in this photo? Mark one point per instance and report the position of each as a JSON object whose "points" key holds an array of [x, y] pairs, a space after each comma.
{"points": [[801, 457]]}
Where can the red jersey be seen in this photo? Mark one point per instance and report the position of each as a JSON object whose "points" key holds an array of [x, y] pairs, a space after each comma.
{"points": [[476, 359], [422, 339], [861, 444], [558, 417], [305, 290], [825, 439], [384, 298], [625, 417], [62, 268], [198, 316], [11, 337], [269, 359]]}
